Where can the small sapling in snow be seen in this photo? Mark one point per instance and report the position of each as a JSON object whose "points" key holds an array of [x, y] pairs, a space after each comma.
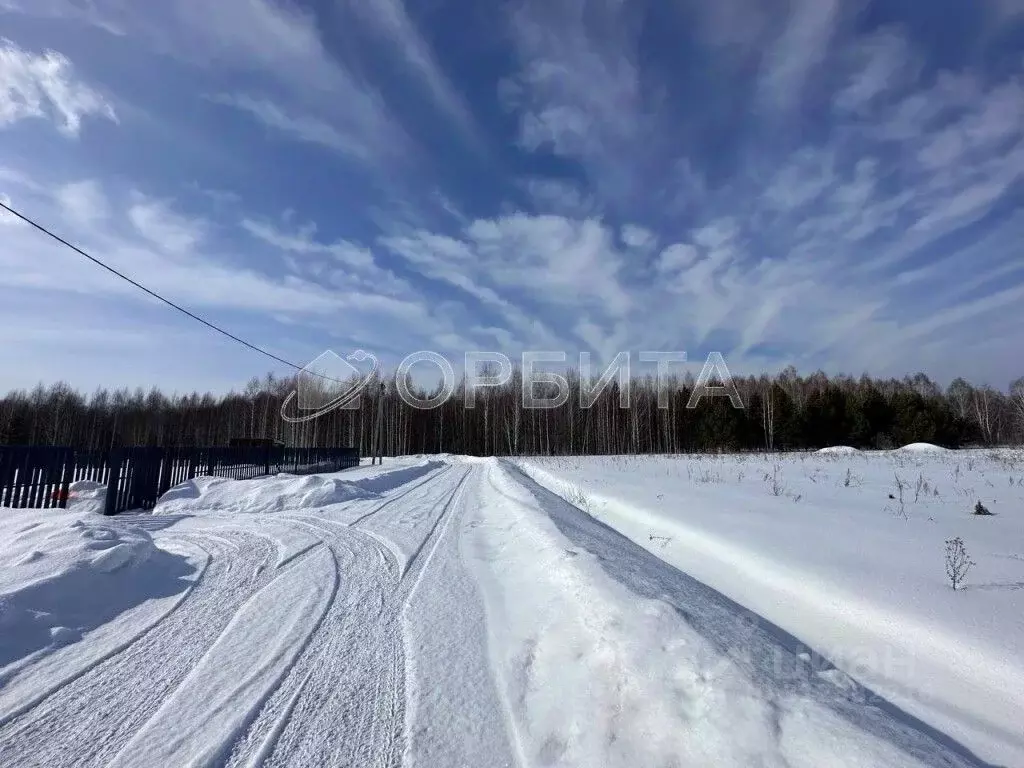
{"points": [[958, 563], [899, 497]]}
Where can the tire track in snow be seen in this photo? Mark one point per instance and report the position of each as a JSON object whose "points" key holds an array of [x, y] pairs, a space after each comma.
{"points": [[323, 713], [344, 703], [442, 609], [394, 499], [408, 585], [337, 699], [225, 690], [266, 748]]}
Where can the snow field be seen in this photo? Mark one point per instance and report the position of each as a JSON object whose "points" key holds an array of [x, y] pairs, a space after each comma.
{"points": [[451, 611], [815, 544]]}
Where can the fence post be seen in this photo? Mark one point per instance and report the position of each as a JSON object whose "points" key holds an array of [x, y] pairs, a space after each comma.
{"points": [[67, 469], [114, 483]]}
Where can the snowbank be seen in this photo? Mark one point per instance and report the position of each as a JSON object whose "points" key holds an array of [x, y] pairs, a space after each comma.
{"points": [[257, 496], [923, 448], [595, 674], [64, 573], [838, 450], [841, 557], [265, 495]]}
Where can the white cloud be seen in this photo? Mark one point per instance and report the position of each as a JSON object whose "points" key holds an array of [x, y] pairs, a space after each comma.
{"points": [[737, 27], [606, 341], [274, 38], [357, 140], [638, 237], [389, 18], [16, 178], [483, 265], [717, 232], [309, 94], [442, 258], [304, 242], [318, 99], [958, 315], [578, 92], [804, 190], [83, 201], [880, 63], [164, 228], [181, 257], [1009, 9], [560, 197], [8, 219], [804, 178], [677, 258], [965, 206], [565, 261], [798, 50], [86, 12], [45, 86]]}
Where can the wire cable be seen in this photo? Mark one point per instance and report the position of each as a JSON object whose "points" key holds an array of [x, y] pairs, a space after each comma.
{"points": [[156, 295]]}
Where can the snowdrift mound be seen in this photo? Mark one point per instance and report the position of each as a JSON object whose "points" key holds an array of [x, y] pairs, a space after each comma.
{"points": [[259, 496], [838, 450], [38, 543], [264, 495], [87, 496], [62, 574], [923, 448]]}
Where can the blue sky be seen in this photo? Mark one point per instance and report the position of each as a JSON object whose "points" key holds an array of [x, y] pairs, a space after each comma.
{"points": [[828, 184]]}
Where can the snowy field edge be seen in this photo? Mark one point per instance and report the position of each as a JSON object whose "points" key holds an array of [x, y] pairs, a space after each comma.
{"points": [[951, 664]]}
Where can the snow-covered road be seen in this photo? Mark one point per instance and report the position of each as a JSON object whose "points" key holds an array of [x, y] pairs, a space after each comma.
{"points": [[428, 613]]}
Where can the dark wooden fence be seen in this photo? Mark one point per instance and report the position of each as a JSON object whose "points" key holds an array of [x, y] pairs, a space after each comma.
{"points": [[32, 476], [134, 479], [35, 476]]}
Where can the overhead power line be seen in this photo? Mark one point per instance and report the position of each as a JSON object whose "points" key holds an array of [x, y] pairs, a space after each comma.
{"points": [[28, 220]]}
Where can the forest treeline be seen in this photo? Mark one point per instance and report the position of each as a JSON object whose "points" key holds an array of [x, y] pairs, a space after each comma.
{"points": [[783, 412]]}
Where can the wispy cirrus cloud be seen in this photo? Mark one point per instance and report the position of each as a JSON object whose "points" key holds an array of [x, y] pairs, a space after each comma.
{"points": [[578, 91], [44, 85], [549, 259], [819, 183], [145, 238], [308, 94], [389, 20], [797, 51], [362, 135]]}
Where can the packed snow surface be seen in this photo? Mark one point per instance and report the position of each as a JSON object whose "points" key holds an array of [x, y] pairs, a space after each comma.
{"points": [[445, 611]]}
